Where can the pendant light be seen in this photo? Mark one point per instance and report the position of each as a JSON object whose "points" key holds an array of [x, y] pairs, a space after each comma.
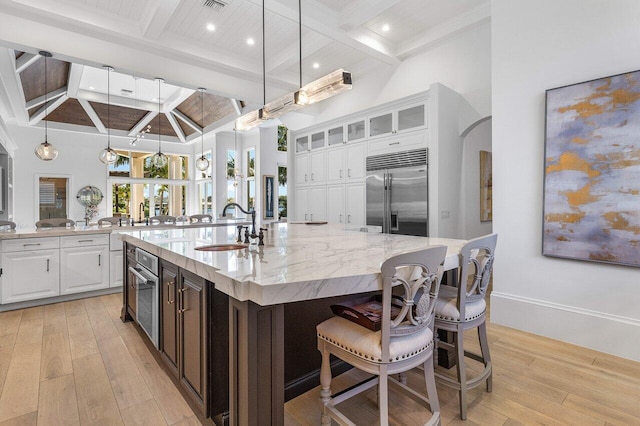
{"points": [[202, 163], [108, 155], [159, 159], [45, 151]]}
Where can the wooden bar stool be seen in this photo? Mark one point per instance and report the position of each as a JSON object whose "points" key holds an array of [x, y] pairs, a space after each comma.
{"points": [[463, 308], [403, 342]]}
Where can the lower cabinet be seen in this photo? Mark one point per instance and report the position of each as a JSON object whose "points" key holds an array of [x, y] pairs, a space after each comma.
{"points": [[311, 204], [183, 342], [29, 275], [116, 275], [84, 269], [347, 204]]}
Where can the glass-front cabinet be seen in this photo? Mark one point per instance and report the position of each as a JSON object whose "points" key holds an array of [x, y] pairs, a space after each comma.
{"points": [[356, 130], [302, 143], [335, 136], [317, 140], [404, 119]]}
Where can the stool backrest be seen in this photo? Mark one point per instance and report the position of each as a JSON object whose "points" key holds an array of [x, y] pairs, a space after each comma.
{"points": [[111, 220], [476, 267], [54, 222], [162, 219], [201, 218], [7, 223], [419, 275]]}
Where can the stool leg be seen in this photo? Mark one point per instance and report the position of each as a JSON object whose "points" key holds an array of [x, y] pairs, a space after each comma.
{"points": [[383, 397], [325, 382], [462, 374], [402, 378], [430, 380], [486, 356]]}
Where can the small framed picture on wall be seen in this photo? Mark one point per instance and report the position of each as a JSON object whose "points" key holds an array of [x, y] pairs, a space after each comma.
{"points": [[268, 196]]}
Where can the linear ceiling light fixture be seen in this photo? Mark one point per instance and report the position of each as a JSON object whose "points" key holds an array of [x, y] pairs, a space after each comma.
{"points": [[45, 151], [202, 163], [325, 87], [108, 155], [159, 159]]}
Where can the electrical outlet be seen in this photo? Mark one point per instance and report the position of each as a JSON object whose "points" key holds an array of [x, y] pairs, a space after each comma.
{"points": [[444, 214]]}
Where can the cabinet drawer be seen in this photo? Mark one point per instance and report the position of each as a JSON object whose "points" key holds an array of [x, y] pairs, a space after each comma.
{"points": [[398, 143], [28, 244], [84, 240]]}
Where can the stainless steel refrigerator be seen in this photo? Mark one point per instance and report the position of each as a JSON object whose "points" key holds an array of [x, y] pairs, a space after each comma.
{"points": [[398, 192]]}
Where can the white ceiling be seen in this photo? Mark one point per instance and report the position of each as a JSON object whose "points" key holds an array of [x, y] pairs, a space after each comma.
{"points": [[169, 38]]}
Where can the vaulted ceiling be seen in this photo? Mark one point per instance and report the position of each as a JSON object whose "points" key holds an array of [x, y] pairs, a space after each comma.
{"points": [[204, 43]]}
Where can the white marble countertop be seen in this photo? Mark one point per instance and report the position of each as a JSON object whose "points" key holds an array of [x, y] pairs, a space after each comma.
{"points": [[298, 261], [95, 229]]}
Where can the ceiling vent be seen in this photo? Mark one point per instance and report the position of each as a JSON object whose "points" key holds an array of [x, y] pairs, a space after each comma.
{"points": [[216, 5]]}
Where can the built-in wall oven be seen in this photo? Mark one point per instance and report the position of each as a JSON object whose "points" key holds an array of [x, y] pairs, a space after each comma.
{"points": [[145, 271]]}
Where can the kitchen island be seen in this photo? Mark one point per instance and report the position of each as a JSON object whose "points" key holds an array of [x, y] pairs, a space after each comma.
{"points": [[300, 265]]}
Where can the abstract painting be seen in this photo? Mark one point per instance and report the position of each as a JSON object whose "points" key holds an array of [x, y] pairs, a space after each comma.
{"points": [[592, 171], [486, 187], [267, 196]]}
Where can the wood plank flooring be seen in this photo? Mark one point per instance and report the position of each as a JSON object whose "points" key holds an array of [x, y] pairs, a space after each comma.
{"points": [[76, 363]]}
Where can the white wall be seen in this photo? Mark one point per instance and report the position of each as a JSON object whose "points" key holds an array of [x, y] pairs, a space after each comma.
{"points": [[538, 45], [479, 139], [77, 157], [462, 63]]}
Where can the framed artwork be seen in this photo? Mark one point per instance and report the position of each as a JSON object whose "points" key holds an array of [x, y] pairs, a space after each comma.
{"points": [[486, 184], [592, 171], [268, 196]]}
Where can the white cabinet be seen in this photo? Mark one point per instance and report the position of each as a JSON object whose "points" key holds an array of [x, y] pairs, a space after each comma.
{"points": [[116, 276], [310, 168], [30, 274], [311, 204], [346, 204], [84, 263], [346, 163], [302, 169], [399, 120]]}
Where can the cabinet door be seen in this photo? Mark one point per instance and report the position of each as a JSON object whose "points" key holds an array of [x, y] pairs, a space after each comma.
{"points": [[191, 311], [317, 166], [302, 169], [335, 136], [84, 269], [355, 131], [29, 275], [412, 118], [335, 203], [116, 277], [356, 160], [335, 165], [300, 203], [302, 143], [169, 326], [318, 204], [317, 140], [355, 211], [132, 295], [381, 124]]}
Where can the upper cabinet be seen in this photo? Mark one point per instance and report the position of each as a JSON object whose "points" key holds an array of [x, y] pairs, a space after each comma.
{"points": [[302, 143], [398, 120], [352, 131], [356, 131], [310, 142]]}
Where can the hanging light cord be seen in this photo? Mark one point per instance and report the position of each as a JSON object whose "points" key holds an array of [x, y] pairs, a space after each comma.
{"points": [[45, 101], [159, 139], [300, 37], [264, 66], [109, 108], [202, 109]]}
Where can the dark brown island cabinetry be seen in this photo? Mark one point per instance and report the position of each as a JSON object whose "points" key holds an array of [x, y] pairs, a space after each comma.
{"points": [[184, 325]]}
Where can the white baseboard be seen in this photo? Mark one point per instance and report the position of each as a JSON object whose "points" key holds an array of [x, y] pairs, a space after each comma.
{"points": [[603, 332]]}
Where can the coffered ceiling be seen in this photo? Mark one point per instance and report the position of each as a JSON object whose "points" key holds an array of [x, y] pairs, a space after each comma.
{"points": [[192, 45]]}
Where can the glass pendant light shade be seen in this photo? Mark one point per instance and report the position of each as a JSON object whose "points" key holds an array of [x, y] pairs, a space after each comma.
{"points": [[202, 163], [159, 160], [46, 152], [108, 156]]}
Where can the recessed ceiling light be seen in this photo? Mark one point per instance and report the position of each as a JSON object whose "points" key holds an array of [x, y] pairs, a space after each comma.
{"points": [[251, 41], [316, 65], [211, 27], [92, 88], [386, 28]]}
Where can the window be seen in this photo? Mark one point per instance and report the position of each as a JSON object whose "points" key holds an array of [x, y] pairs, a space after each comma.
{"points": [[121, 193], [52, 197], [139, 165], [282, 138], [251, 178], [282, 192], [205, 197], [232, 183]]}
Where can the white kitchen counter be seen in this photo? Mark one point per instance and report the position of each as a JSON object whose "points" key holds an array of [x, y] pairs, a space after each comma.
{"points": [[298, 262]]}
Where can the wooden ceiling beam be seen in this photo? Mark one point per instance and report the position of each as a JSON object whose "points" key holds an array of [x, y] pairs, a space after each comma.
{"points": [[47, 109], [45, 98], [25, 61], [186, 120], [176, 126], [93, 115], [236, 106], [73, 82], [143, 123]]}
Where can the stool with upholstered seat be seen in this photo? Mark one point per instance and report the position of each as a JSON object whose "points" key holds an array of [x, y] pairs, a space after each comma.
{"points": [[403, 342], [161, 220], [463, 308], [54, 222]]}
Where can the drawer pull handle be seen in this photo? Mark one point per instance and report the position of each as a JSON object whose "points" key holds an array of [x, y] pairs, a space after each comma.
{"points": [[341, 173], [394, 143], [99, 260], [47, 265], [30, 244], [85, 241], [169, 301], [349, 173]]}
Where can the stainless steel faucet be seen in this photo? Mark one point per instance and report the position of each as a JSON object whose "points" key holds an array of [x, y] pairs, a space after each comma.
{"points": [[141, 212], [251, 212]]}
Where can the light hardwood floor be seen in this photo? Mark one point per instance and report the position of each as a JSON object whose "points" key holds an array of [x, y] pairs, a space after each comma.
{"points": [[76, 363]]}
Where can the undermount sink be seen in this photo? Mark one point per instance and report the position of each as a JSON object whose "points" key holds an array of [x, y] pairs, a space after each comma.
{"points": [[222, 247]]}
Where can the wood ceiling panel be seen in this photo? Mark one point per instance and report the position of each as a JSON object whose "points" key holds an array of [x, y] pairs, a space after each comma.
{"points": [[215, 108], [187, 130], [18, 53], [32, 78], [165, 127], [70, 112], [121, 118]]}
